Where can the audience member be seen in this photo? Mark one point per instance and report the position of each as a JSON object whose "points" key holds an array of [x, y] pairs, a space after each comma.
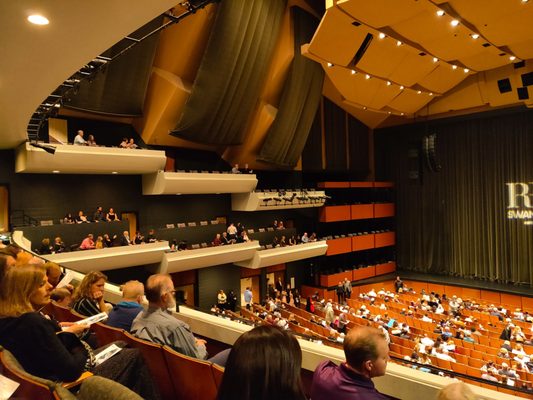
{"points": [[131, 144], [456, 391], [99, 215], [108, 242], [235, 169], [45, 350], [264, 364], [217, 241], [69, 219], [305, 238], [88, 242], [248, 297], [398, 284], [124, 144], [81, 218], [247, 170], [45, 248], [123, 314], [99, 244], [88, 298], [221, 299], [139, 238], [91, 141], [150, 238], [61, 296], [367, 354], [111, 215], [53, 273], [79, 140], [158, 325], [59, 246], [125, 240]]}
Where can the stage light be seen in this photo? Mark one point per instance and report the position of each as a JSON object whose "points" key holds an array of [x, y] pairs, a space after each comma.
{"points": [[37, 19]]}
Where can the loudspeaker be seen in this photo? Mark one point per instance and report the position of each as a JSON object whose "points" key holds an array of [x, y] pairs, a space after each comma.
{"points": [[504, 85], [522, 93], [429, 145], [527, 79]]}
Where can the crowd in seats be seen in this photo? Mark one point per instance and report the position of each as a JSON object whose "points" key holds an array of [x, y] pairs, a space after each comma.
{"points": [[79, 140], [237, 170], [98, 216]]}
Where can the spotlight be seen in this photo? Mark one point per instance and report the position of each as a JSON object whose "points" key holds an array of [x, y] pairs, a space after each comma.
{"points": [[454, 22], [382, 35], [474, 36], [440, 13]]}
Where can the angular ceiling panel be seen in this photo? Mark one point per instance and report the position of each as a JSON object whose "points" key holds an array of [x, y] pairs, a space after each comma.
{"points": [[442, 78], [379, 13], [336, 39], [410, 101]]}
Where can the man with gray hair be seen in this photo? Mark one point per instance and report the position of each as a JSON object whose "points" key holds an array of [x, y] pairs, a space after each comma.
{"points": [[367, 353], [123, 314]]}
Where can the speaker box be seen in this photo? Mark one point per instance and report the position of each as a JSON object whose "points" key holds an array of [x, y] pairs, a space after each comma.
{"points": [[523, 93], [504, 85], [527, 79]]}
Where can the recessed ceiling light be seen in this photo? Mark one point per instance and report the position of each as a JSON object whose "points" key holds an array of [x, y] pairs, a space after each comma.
{"points": [[419, 92], [512, 58], [454, 22], [354, 72], [114, 172], [390, 112], [440, 13], [389, 83], [402, 88], [454, 66], [398, 43], [435, 59], [466, 70], [364, 108], [367, 76], [330, 65], [525, 1], [382, 35], [474, 35], [431, 93], [56, 171], [38, 19], [402, 113]]}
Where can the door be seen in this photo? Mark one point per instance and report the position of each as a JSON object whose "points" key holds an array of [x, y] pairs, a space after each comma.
{"points": [[131, 216]]}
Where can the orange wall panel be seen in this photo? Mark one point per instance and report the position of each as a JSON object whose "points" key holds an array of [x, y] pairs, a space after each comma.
{"points": [[493, 297], [386, 268], [361, 184], [362, 242], [339, 246], [335, 213], [385, 239], [333, 185], [383, 210], [527, 303], [364, 273], [417, 286], [471, 293], [511, 300], [432, 287], [362, 211]]}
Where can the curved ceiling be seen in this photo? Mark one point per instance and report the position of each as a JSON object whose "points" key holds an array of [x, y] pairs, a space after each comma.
{"points": [[36, 59]]}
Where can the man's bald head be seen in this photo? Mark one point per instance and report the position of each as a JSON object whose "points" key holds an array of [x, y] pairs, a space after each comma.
{"points": [[157, 286], [133, 291]]}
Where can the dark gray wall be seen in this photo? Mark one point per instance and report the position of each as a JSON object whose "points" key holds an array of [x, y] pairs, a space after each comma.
{"points": [[210, 280]]}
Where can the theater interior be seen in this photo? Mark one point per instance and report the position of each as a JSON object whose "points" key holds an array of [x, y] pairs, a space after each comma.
{"points": [[399, 132]]}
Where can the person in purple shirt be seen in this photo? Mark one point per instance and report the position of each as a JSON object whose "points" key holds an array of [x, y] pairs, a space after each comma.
{"points": [[123, 314], [367, 353]]}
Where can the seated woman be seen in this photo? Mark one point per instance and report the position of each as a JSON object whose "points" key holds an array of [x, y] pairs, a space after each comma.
{"points": [[59, 246], [44, 349], [88, 298], [45, 247], [81, 218], [111, 216], [91, 141], [264, 364], [69, 219], [124, 143]]}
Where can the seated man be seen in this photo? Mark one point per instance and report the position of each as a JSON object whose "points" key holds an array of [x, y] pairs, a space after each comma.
{"points": [[367, 353], [88, 243], [158, 325], [123, 314], [99, 215]]}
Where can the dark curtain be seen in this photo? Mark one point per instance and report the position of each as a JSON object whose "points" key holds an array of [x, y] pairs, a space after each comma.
{"points": [[358, 145], [232, 72], [455, 221], [120, 87], [335, 133], [301, 96], [312, 152]]}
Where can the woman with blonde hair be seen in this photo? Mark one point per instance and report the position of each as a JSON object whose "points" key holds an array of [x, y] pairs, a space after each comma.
{"points": [[88, 298], [45, 350]]}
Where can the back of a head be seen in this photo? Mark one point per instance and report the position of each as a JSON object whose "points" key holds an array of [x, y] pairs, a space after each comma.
{"points": [[361, 344], [456, 391], [155, 286], [264, 364], [132, 290]]}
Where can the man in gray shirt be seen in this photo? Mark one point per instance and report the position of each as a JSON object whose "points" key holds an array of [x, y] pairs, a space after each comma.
{"points": [[158, 325]]}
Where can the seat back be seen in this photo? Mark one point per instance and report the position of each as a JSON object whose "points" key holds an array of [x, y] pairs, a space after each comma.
{"points": [[31, 387], [192, 378], [97, 387], [218, 374], [106, 334], [155, 361], [63, 314]]}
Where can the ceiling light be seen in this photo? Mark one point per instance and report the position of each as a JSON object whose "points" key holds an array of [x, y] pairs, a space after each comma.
{"points": [[431, 93], [474, 35], [435, 59], [401, 113], [466, 70], [419, 92], [364, 108], [512, 58], [354, 72], [382, 35], [402, 88], [367, 76], [114, 172], [454, 22], [389, 83], [440, 13], [454, 66], [390, 112], [56, 171], [398, 43], [330, 65], [38, 19], [525, 1]]}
